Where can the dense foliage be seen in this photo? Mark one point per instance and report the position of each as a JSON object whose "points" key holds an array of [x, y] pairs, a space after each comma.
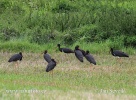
{"points": [[68, 21]]}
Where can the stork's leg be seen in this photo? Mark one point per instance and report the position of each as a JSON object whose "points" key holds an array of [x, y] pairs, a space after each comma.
{"points": [[15, 67], [90, 67], [49, 74], [65, 57], [117, 60], [52, 73], [93, 67], [120, 61]]}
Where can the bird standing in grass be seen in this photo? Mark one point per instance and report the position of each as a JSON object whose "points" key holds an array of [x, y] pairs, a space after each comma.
{"points": [[51, 65], [90, 58], [47, 57], [118, 53], [65, 50], [15, 58], [78, 53]]}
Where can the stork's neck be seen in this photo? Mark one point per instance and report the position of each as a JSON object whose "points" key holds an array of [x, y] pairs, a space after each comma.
{"points": [[59, 47], [112, 51]]}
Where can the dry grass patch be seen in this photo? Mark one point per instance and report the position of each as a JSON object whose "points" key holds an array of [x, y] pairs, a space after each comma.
{"points": [[70, 76]]}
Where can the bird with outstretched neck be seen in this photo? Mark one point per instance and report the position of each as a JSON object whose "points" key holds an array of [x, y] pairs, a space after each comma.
{"points": [[65, 50], [118, 53]]}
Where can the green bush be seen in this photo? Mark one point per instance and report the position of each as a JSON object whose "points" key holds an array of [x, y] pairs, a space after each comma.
{"points": [[7, 34], [69, 21], [63, 7], [130, 40]]}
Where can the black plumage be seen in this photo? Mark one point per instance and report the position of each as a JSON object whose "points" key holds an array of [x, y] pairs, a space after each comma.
{"points": [[16, 57], [51, 65], [83, 52], [78, 54], [47, 57], [65, 50], [90, 58], [118, 53]]}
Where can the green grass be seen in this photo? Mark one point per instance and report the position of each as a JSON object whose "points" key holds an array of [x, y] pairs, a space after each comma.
{"points": [[18, 45], [35, 26], [71, 80]]}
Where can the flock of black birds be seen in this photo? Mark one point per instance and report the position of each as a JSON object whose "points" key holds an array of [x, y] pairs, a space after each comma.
{"points": [[79, 53]]}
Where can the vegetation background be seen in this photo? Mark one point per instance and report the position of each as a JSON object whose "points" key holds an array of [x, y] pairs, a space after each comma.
{"points": [[27, 25]]}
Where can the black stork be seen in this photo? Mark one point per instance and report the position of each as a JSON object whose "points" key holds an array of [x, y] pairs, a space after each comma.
{"points": [[47, 57], [83, 52], [90, 58], [15, 58], [65, 50], [118, 53], [51, 65], [78, 53]]}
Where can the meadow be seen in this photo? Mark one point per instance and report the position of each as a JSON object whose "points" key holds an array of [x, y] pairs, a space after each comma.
{"points": [[32, 26], [71, 80]]}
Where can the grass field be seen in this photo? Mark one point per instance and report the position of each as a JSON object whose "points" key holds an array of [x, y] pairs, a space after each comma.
{"points": [[31, 26], [72, 79]]}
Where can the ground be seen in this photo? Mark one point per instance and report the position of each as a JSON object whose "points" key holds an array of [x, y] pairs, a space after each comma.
{"points": [[109, 79]]}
